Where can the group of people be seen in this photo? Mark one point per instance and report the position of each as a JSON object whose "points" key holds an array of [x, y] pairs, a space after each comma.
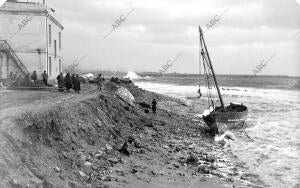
{"points": [[27, 80], [18, 80], [64, 82], [68, 82]]}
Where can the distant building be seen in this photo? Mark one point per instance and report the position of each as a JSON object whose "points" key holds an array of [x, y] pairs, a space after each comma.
{"points": [[30, 39]]}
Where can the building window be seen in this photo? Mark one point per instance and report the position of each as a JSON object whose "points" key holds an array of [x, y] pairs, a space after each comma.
{"points": [[59, 66], [59, 40], [50, 66], [50, 34], [55, 52]]}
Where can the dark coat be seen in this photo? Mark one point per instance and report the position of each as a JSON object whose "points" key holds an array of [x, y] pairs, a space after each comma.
{"points": [[68, 81], [45, 76], [77, 84], [154, 103], [73, 79], [60, 81], [34, 77]]}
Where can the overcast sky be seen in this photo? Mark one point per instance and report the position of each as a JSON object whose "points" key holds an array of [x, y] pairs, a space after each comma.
{"points": [[159, 30]]}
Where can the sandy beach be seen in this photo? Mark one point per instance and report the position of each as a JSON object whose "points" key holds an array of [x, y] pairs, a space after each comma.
{"points": [[98, 139]]}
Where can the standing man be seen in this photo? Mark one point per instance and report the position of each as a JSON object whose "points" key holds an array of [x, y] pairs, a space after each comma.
{"points": [[154, 103], [11, 76], [15, 76], [27, 79], [199, 92], [60, 82], [19, 81], [45, 78], [68, 82], [34, 77], [73, 80], [99, 80], [77, 84]]}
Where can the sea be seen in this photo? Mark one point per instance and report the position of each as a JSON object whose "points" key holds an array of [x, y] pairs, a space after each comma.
{"points": [[273, 122]]}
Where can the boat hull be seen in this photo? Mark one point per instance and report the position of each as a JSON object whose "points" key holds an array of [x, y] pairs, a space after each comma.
{"points": [[233, 117]]}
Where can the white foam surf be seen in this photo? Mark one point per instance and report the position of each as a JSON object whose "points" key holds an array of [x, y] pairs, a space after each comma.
{"points": [[134, 76], [274, 116]]}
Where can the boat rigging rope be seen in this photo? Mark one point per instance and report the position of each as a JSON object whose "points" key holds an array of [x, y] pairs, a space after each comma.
{"points": [[207, 72], [207, 84], [246, 132], [200, 55]]}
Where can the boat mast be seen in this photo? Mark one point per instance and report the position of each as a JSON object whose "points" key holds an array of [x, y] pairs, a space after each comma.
{"points": [[212, 69]]}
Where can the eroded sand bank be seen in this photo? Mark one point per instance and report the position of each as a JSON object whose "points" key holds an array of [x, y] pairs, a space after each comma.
{"points": [[98, 139]]}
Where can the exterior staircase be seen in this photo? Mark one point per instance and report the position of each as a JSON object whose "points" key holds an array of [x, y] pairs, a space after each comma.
{"points": [[5, 47]]}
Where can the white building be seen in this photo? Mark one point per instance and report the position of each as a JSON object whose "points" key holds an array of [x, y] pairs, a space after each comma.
{"points": [[30, 39]]}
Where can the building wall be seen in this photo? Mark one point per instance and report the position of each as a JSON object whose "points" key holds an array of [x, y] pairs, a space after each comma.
{"points": [[7, 65], [25, 26], [54, 42]]}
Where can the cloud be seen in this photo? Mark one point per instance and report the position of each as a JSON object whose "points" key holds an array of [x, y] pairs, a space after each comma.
{"points": [[1, 2], [157, 30]]}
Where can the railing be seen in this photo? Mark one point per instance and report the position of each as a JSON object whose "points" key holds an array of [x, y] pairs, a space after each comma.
{"points": [[4, 46]]}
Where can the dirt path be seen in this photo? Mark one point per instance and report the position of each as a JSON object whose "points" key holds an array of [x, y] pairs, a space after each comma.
{"points": [[15, 102]]}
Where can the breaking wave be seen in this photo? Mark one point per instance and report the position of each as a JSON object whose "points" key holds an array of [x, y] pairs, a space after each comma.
{"points": [[134, 76]]}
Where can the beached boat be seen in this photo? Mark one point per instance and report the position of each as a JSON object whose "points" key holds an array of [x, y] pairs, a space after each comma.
{"points": [[225, 117]]}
